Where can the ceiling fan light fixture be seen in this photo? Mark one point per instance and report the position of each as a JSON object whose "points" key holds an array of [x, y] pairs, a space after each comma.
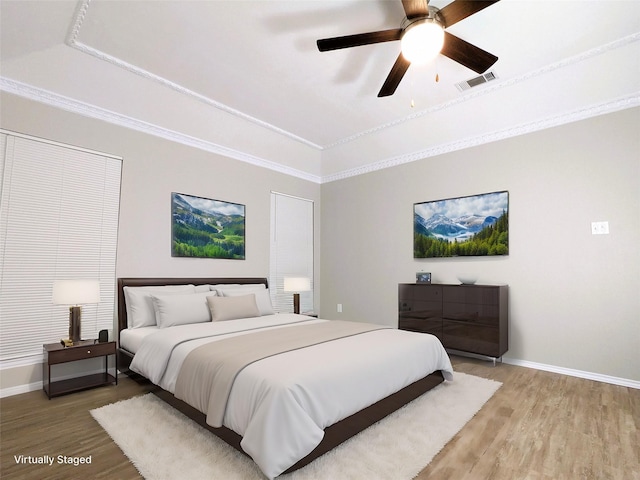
{"points": [[422, 40]]}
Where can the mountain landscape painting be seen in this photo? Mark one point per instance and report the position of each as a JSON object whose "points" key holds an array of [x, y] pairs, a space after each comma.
{"points": [[477, 225], [206, 228]]}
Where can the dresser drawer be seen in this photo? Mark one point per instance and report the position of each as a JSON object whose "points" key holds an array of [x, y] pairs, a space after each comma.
{"points": [[467, 312], [423, 292], [476, 295], [466, 318], [472, 338], [420, 324]]}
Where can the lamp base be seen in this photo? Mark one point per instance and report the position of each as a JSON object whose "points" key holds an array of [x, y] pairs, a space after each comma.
{"points": [[296, 303], [75, 313]]}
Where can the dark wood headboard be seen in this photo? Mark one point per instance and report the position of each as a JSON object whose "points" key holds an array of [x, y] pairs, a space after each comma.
{"points": [[148, 282]]}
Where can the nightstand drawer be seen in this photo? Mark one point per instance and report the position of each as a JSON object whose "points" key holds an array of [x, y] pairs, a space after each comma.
{"points": [[81, 352]]}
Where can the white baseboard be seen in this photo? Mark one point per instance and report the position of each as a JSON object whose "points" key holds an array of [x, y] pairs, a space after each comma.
{"points": [[30, 387], [18, 389], [598, 377]]}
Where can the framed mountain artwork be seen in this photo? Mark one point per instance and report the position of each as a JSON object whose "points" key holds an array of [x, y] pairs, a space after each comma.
{"points": [[477, 225], [206, 228]]}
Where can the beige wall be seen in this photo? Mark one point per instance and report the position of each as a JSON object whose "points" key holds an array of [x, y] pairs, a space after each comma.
{"points": [[152, 169], [574, 296]]}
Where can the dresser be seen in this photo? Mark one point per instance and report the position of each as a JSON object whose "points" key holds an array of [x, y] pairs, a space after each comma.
{"points": [[467, 318]]}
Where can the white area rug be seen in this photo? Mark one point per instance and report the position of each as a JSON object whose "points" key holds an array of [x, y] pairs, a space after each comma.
{"points": [[164, 444]]}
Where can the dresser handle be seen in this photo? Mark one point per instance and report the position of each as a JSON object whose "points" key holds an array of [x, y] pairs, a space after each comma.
{"points": [[88, 351]]}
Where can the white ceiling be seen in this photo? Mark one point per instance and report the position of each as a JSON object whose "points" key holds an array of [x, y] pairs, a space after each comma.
{"points": [[245, 78]]}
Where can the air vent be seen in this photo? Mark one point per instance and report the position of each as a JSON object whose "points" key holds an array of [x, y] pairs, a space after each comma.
{"points": [[474, 82]]}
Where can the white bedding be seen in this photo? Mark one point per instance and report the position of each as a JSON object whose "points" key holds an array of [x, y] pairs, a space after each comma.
{"points": [[280, 405], [131, 338]]}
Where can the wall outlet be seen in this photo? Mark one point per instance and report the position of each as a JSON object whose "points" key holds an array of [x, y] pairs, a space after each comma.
{"points": [[339, 308], [599, 228]]}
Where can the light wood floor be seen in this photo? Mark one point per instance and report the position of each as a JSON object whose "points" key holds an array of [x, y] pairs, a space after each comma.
{"points": [[544, 426], [538, 425]]}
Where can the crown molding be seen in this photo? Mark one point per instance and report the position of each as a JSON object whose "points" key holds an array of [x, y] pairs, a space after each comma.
{"points": [[611, 106], [73, 42], [75, 106], [494, 86], [83, 6], [92, 111]]}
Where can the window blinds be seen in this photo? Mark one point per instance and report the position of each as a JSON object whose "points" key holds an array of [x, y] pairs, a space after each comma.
{"points": [[291, 249], [58, 220]]}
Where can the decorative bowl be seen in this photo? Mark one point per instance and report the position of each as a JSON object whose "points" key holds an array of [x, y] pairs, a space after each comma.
{"points": [[467, 279]]}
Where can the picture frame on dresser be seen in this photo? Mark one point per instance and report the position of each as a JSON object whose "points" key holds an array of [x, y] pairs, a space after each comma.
{"points": [[423, 277]]}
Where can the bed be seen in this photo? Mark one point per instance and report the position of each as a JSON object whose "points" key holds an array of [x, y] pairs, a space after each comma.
{"points": [[304, 386]]}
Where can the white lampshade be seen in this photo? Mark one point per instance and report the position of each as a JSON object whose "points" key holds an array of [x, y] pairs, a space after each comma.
{"points": [[297, 284], [76, 292], [422, 40]]}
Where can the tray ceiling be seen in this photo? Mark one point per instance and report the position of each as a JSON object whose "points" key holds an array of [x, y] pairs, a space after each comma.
{"points": [[246, 77]]}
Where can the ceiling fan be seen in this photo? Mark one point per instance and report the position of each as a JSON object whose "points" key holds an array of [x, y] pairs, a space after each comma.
{"points": [[422, 19]]}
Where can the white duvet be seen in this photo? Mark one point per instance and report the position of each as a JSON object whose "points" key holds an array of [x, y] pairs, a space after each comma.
{"points": [[280, 405]]}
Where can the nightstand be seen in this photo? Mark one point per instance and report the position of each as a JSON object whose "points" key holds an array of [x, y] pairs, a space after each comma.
{"points": [[55, 354]]}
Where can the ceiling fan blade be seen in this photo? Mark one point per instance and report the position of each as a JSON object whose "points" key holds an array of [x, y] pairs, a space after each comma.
{"points": [[467, 54], [415, 8], [395, 76], [458, 10], [335, 43]]}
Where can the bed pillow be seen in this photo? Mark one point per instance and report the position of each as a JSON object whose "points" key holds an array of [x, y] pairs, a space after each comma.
{"points": [[203, 288], [246, 287], [263, 298], [230, 308], [182, 309], [140, 311]]}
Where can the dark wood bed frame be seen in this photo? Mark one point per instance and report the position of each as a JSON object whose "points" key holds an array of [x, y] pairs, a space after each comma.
{"points": [[334, 434]]}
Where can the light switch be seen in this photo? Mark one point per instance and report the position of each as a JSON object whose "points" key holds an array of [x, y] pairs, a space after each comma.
{"points": [[600, 228]]}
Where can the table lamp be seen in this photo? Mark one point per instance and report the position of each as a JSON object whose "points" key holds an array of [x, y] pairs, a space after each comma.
{"points": [[74, 293], [297, 285]]}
